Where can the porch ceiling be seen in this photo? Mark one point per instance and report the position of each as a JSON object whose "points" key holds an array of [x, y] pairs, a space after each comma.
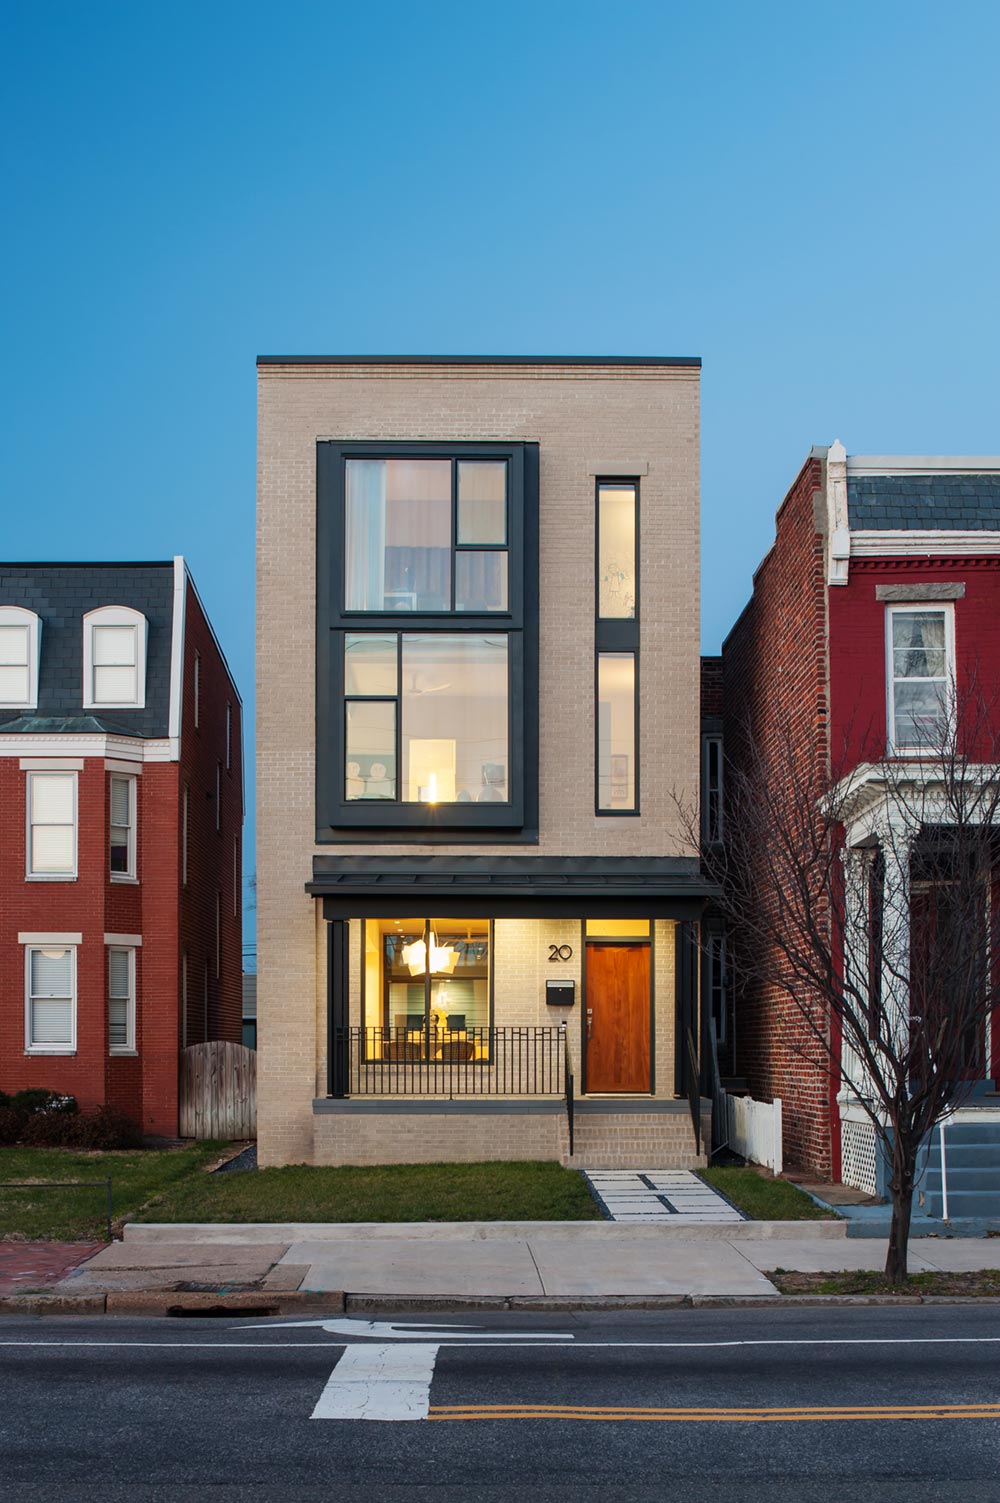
{"points": [[509, 886]]}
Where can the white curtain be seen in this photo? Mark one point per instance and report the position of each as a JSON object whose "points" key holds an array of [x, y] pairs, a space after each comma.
{"points": [[365, 539]]}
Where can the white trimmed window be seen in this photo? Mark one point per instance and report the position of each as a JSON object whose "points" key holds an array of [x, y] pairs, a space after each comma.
{"points": [[20, 631], [51, 825], [197, 690], [114, 658], [121, 1000], [229, 735], [920, 672], [185, 807], [122, 828], [50, 1000]]}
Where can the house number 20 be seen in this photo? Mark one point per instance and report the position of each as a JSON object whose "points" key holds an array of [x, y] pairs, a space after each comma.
{"points": [[560, 952]]}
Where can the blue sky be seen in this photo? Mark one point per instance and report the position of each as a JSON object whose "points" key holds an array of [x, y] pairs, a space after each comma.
{"points": [[804, 195]]}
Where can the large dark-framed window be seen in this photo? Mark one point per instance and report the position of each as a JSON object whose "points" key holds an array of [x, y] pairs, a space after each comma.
{"points": [[616, 641], [427, 642]]}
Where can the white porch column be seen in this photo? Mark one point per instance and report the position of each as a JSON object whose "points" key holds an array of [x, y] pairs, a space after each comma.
{"points": [[857, 879], [896, 843]]}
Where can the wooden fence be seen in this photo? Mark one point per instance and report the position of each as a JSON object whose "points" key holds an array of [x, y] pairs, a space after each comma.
{"points": [[218, 1091]]}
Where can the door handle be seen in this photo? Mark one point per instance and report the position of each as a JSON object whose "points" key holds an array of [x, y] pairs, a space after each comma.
{"points": [[590, 1021]]}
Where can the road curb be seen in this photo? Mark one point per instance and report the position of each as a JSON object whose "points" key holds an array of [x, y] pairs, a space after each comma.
{"points": [[206, 1303]]}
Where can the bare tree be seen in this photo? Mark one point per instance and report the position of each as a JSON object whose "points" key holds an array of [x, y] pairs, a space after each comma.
{"points": [[865, 901]]}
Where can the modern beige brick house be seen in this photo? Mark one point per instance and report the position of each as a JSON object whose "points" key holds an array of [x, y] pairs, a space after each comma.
{"points": [[477, 690]]}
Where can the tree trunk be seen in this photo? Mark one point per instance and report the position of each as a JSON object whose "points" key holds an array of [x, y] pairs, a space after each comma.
{"points": [[901, 1188]]}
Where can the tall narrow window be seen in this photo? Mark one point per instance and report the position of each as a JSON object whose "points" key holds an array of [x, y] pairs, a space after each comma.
{"points": [[717, 981], [617, 575], [19, 640], [711, 788], [114, 658], [185, 806], [218, 935], [122, 827], [616, 740], [121, 1001], [197, 690], [218, 795], [52, 825], [229, 735], [921, 652], [50, 1002], [236, 876], [184, 1000]]}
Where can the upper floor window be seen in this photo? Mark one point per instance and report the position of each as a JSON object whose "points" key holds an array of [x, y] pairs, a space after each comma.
{"points": [[52, 825], [114, 658], [435, 727], [920, 645], [122, 827], [20, 630], [617, 574], [425, 535], [711, 789]]}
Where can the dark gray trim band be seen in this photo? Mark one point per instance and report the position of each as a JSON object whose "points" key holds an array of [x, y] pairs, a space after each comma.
{"points": [[693, 361]]}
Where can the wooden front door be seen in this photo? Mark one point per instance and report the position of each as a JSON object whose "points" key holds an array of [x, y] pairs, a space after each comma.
{"points": [[617, 1018]]}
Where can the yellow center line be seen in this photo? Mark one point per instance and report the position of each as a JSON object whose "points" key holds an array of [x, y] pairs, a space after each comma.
{"points": [[714, 1415]]}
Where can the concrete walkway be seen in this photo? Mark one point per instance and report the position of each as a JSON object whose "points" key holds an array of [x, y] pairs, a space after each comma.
{"points": [[489, 1260]]}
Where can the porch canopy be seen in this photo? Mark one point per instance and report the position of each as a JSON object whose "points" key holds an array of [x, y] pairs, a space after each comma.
{"points": [[670, 887]]}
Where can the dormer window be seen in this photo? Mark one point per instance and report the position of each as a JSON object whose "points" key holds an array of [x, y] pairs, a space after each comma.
{"points": [[20, 630], [114, 659]]}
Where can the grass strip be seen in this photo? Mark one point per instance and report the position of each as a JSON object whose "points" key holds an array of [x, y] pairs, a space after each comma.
{"points": [[764, 1198]]}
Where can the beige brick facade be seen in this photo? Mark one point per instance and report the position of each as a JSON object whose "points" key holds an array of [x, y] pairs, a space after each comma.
{"points": [[588, 420]]}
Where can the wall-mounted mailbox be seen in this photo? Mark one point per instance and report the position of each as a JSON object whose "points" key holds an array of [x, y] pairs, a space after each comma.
{"points": [[560, 993]]}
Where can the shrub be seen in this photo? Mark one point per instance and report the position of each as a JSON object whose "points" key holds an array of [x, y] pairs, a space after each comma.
{"points": [[39, 1099], [107, 1128], [50, 1130], [10, 1126]]}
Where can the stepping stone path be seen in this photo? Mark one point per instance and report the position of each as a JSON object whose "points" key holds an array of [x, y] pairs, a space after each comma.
{"points": [[658, 1195]]}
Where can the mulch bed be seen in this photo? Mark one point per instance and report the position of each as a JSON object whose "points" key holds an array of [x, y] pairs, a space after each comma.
{"points": [[983, 1283]]}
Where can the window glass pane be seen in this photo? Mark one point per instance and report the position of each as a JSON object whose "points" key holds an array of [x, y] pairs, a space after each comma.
{"points": [[618, 928], [13, 645], [119, 850], [52, 1021], [616, 552], [51, 973], [52, 848], [118, 1022], [114, 686], [480, 581], [118, 973], [398, 535], [13, 685], [918, 642], [921, 713], [371, 750], [121, 801], [114, 644], [454, 698], [616, 730], [370, 664], [52, 799], [460, 986], [482, 501]]}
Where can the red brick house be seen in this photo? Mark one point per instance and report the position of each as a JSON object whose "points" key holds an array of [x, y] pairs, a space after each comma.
{"points": [[868, 552], [121, 812]]}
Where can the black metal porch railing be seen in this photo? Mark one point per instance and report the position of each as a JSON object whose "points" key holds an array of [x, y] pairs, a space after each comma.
{"points": [[435, 1062]]}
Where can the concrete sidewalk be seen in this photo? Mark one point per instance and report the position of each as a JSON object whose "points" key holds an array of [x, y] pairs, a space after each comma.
{"points": [[493, 1260]]}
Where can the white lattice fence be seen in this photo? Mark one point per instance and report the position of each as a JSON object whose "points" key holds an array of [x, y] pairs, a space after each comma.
{"points": [[755, 1130], [859, 1156]]}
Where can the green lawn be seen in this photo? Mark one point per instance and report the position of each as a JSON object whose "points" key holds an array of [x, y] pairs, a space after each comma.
{"points": [[72, 1215], [396, 1192], [764, 1199]]}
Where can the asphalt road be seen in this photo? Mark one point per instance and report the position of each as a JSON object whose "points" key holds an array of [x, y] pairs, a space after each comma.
{"points": [[799, 1405]]}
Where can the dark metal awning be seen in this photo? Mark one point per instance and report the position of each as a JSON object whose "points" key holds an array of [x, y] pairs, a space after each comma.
{"points": [[509, 886]]}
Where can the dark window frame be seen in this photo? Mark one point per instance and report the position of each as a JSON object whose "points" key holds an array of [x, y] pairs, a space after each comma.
{"points": [[360, 821], [383, 1001], [616, 634], [712, 831]]}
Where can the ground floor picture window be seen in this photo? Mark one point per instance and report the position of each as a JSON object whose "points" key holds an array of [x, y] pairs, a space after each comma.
{"points": [[427, 988]]}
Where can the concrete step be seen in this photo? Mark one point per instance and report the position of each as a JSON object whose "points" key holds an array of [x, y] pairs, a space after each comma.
{"points": [[964, 1156], [979, 1203], [960, 1180]]}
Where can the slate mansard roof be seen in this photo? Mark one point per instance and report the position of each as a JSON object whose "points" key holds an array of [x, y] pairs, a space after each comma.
{"points": [[954, 502], [62, 594]]}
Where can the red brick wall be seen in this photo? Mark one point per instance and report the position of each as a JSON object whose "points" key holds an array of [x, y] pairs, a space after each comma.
{"points": [[775, 681], [210, 850]]}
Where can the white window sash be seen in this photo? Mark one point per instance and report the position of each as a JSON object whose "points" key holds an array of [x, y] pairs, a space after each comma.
{"points": [[113, 678], [19, 677], [36, 1006], [36, 839], [129, 826], [121, 1006], [947, 680]]}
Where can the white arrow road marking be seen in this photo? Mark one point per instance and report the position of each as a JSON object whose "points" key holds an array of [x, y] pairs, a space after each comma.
{"points": [[396, 1331], [380, 1383]]}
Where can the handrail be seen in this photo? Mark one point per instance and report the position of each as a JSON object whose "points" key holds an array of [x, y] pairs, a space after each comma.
{"points": [[694, 1090], [568, 1075], [72, 1184]]}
